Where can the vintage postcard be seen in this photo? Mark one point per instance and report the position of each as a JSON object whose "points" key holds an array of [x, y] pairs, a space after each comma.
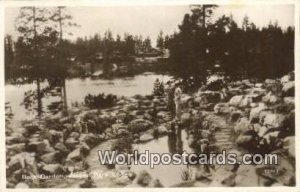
{"points": [[183, 94]]}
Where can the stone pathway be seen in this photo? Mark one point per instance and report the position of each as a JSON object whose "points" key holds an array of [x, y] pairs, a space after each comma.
{"points": [[224, 132]]}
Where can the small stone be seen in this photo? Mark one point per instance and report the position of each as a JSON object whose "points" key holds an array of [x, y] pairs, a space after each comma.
{"points": [[244, 140], [144, 178], [71, 143], [56, 169], [236, 100], [273, 120], [146, 137], [288, 89], [49, 158], [242, 125], [21, 186], [74, 135], [31, 128], [74, 155]]}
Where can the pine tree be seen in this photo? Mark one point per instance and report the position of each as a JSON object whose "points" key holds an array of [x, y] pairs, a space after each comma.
{"points": [[160, 44]]}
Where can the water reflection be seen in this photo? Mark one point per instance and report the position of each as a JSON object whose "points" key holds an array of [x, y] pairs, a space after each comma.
{"points": [[175, 143]]}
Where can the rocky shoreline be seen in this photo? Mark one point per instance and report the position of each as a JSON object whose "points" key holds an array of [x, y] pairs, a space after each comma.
{"points": [[242, 116]]}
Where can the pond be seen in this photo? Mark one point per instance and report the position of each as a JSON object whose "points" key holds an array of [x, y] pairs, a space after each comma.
{"points": [[78, 88], [167, 175]]}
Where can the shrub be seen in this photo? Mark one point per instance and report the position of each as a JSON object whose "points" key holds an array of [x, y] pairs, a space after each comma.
{"points": [[100, 101]]}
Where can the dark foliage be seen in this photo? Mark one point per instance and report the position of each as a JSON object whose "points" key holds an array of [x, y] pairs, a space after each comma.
{"points": [[100, 101], [246, 51]]}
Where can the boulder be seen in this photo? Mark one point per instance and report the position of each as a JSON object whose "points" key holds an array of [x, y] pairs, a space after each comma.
{"points": [[74, 135], [257, 92], [161, 108], [242, 125], [23, 160], [84, 149], [274, 120], [289, 100], [208, 97], [71, 142], [270, 81], [289, 144], [205, 133], [185, 99], [235, 115], [275, 88], [74, 155], [130, 107], [155, 183], [22, 186], [31, 127], [54, 136], [68, 126], [270, 98], [263, 114], [236, 100], [285, 170], [254, 113], [40, 147], [262, 131], [65, 120], [222, 108], [120, 132], [288, 89], [247, 100], [244, 140], [271, 136], [229, 181], [123, 179], [54, 169], [90, 139], [16, 148], [49, 158], [247, 180], [15, 138], [162, 129], [146, 137], [234, 91], [139, 125], [285, 79], [164, 115], [144, 178], [121, 116], [61, 147], [259, 85]]}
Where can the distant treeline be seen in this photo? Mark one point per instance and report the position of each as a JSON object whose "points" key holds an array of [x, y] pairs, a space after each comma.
{"points": [[202, 44], [82, 50]]}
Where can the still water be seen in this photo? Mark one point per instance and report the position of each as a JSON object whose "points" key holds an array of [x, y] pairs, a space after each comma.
{"points": [[78, 88], [167, 175]]}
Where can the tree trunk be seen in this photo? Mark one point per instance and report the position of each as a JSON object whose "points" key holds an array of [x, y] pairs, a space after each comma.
{"points": [[39, 98], [64, 91], [65, 97]]}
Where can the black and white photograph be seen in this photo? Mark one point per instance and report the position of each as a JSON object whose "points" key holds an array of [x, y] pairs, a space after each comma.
{"points": [[150, 96]]}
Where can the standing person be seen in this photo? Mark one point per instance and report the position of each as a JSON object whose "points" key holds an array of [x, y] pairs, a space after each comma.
{"points": [[177, 100]]}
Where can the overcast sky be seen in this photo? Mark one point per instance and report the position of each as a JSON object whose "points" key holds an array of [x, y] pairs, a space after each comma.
{"points": [[149, 20]]}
